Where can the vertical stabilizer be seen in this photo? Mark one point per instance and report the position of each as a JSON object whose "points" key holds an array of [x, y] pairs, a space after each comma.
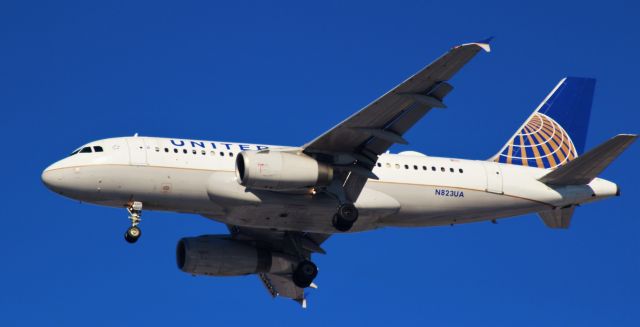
{"points": [[556, 132], [558, 218]]}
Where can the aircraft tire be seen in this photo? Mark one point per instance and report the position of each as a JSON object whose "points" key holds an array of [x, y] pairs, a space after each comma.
{"points": [[341, 224], [132, 234], [348, 212], [305, 273]]}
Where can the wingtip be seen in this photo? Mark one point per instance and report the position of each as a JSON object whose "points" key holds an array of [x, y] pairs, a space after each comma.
{"points": [[483, 44]]}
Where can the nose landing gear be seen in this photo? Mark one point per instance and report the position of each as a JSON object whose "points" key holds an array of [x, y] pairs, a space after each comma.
{"points": [[135, 211]]}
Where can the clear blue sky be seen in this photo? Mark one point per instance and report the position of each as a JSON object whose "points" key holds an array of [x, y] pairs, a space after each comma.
{"points": [[282, 73]]}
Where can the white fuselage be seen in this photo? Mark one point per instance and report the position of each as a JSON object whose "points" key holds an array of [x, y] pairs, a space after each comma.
{"points": [[199, 177]]}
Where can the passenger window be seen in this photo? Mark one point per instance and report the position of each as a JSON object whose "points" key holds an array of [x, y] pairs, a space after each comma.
{"points": [[461, 171], [451, 170], [184, 151], [86, 150], [406, 166], [166, 149], [213, 153], [415, 167], [221, 154], [230, 154], [388, 165], [397, 166], [442, 169], [433, 168], [424, 167], [194, 151], [175, 150], [379, 164], [97, 148], [203, 152]]}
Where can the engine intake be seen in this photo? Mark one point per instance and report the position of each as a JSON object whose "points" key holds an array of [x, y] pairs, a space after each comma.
{"points": [[280, 171], [219, 255]]}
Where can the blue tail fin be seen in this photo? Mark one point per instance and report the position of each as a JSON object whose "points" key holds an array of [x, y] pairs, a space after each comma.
{"points": [[556, 131]]}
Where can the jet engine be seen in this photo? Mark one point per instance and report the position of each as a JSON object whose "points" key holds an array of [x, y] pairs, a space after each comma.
{"points": [[219, 255], [280, 171]]}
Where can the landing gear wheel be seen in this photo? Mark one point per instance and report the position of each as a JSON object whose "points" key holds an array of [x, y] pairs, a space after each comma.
{"points": [[305, 273], [132, 234], [340, 224], [346, 216], [348, 212]]}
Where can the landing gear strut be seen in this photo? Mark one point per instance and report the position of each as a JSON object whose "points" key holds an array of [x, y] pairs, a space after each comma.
{"points": [[347, 213], [305, 273], [135, 211], [345, 217]]}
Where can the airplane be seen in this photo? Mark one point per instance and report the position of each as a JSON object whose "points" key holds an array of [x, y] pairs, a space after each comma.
{"points": [[281, 203]]}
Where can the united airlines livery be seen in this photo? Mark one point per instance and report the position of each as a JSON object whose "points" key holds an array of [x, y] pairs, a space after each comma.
{"points": [[281, 203]]}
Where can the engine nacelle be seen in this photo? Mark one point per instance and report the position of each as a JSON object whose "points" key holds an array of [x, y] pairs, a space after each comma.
{"points": [[219, 255], [280, 171]]}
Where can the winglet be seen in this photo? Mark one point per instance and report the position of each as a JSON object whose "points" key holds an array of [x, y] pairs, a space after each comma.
{"points": [[483, 44]]}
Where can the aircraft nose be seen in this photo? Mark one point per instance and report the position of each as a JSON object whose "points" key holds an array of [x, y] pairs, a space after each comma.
{"points": [[48, 178], [53, 178]]}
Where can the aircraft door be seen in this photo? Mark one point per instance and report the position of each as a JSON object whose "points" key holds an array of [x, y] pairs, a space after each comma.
{"points": [[137, 151], [494, 177]]}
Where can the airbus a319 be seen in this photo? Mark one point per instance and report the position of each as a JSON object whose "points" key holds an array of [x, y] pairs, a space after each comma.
{"points": [[281, 203]]}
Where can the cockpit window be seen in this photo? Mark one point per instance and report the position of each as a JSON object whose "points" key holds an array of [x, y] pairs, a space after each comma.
{"points": [[74, 152], [97, 148], [86, 150]]}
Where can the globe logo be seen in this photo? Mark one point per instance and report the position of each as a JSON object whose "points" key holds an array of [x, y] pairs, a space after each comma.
{"points": [[541, 143]]}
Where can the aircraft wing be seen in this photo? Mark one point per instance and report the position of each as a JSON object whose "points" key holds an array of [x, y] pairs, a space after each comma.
{"points": [[357, 142], [293, 243], [279, 285]]}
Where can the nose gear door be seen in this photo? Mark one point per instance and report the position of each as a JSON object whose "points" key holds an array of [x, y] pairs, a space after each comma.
{"points": [[137, 151]]}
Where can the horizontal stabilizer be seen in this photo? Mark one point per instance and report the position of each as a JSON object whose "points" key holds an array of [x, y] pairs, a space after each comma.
{"points": [[588, 166], [558, 218]]}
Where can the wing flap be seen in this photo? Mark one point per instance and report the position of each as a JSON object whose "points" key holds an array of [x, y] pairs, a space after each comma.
{"points": [[278, 285]]}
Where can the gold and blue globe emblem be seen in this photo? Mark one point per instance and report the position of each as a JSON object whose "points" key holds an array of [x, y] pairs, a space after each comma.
{"points": [[541, 143]]}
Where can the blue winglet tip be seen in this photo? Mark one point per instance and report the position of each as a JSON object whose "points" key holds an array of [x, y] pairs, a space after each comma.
{"points": [[486, 41]]}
